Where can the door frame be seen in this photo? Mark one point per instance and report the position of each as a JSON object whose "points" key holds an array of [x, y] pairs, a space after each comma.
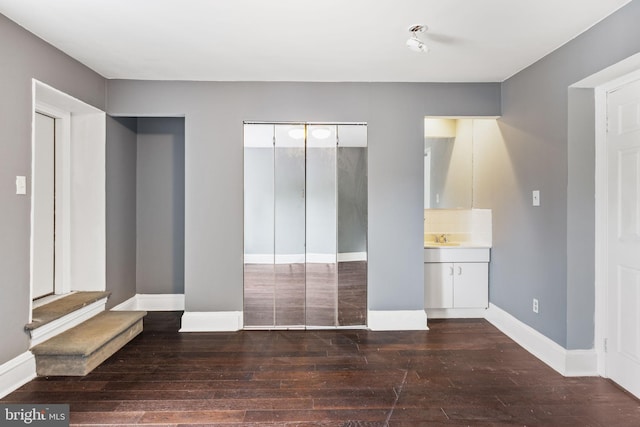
{"points": [[80, 190], [62, 266], [601, 323]]}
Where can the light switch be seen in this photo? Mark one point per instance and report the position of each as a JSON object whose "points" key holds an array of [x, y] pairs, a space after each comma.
{"points": [[21, 185], [535, 197]]}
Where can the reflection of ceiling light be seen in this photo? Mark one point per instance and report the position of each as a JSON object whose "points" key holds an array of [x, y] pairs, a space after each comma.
{"points": [[414, 43], [321, 133], [296, 133]]}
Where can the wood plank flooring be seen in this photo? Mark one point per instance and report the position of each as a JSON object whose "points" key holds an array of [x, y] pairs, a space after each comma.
{"points": [[461, 372]]}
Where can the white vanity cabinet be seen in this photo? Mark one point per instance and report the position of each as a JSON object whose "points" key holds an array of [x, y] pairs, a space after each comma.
{"points": [[456, 281]]}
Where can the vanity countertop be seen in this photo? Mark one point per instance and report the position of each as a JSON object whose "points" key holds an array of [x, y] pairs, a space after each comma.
{"points": [[454, 245], [459, 253]]}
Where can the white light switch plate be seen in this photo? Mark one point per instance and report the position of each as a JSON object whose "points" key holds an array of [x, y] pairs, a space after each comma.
{"points": [[535, 197], [21, 185]]}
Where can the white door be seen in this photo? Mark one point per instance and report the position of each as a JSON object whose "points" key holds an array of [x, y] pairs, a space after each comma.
{"points": [[43, 206], [623, 237]]}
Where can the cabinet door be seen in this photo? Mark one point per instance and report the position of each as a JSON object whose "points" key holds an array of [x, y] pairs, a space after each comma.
{"points": [[438, 285], [471, 285]]}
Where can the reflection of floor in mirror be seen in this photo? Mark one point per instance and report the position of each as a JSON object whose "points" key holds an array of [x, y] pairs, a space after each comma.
{"points": [[275, 295]]}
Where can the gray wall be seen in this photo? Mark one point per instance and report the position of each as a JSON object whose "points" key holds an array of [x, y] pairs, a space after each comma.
{"points": [[581, 219], [160, 205], [23, 57], [533, 246], [121, 159], [214, 180]]}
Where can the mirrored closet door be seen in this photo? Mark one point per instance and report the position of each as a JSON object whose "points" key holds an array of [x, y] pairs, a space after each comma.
{"points": [[305, 225]]}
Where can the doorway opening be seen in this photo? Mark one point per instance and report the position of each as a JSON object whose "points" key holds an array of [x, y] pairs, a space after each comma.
{"points": [[67, 196]]}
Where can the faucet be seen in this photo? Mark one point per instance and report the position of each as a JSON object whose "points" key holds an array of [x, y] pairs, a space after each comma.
{"points": [[442, 238]]}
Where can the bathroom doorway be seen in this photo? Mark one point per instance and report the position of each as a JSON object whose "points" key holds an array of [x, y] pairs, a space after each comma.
{"points": [[305, 225]]}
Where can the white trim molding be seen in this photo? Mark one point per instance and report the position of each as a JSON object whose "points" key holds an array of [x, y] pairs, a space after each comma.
{"points": [[397, 320], [570, 363], [58, 326], [17, 372], [211, 321], [352, 256], [152, 302]]}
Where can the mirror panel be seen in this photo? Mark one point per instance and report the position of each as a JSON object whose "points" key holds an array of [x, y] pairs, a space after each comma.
{"points": [[448, 150], [305, 240], [289, 225], [259, 268], [352, 225], [322, 232]]}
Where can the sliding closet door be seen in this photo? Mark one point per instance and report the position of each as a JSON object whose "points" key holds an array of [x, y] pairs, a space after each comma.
{"points": [[305, 216], [322, 227], [289, 182], [259, 236], [352, 225]]}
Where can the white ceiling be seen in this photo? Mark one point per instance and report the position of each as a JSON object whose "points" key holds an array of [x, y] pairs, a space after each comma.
{"points": [[307, 40]]}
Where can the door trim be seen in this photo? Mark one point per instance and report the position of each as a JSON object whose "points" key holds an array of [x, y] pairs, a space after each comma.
{"points": [[62, 180], [82, 190], [601, 325]]}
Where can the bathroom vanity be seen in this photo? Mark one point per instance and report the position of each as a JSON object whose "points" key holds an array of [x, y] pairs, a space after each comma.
{"points": [[457, 251], [456, 281]]}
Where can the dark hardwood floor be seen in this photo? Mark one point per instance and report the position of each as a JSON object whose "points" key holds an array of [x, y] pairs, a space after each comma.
{"points": [[461, 372]]}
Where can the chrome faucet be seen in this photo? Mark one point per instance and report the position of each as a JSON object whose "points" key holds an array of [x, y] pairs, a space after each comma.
{"points": [[442, 238]]}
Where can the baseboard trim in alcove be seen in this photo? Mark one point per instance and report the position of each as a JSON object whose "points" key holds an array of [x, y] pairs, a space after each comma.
{"points": [[152, 302]]}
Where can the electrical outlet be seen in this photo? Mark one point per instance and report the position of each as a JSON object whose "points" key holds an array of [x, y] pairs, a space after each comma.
{"points": [[535, 305]]}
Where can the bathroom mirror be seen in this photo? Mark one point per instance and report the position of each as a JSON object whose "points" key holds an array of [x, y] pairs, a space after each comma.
{"points": [[448, 163], [453, 158]]}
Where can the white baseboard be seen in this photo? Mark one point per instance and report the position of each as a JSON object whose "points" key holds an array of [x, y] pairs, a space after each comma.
{"points": [[211, 321], [352, 256], [566, 362], [397, 320], [302, 258], [17, 372], [66, 322], [152, 302], [259, 258], [290, 258], [317, 258], [456, 313]]}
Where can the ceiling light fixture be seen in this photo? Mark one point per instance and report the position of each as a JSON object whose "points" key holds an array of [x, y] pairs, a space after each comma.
{"points": [[321, 133], [414, 43]]}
